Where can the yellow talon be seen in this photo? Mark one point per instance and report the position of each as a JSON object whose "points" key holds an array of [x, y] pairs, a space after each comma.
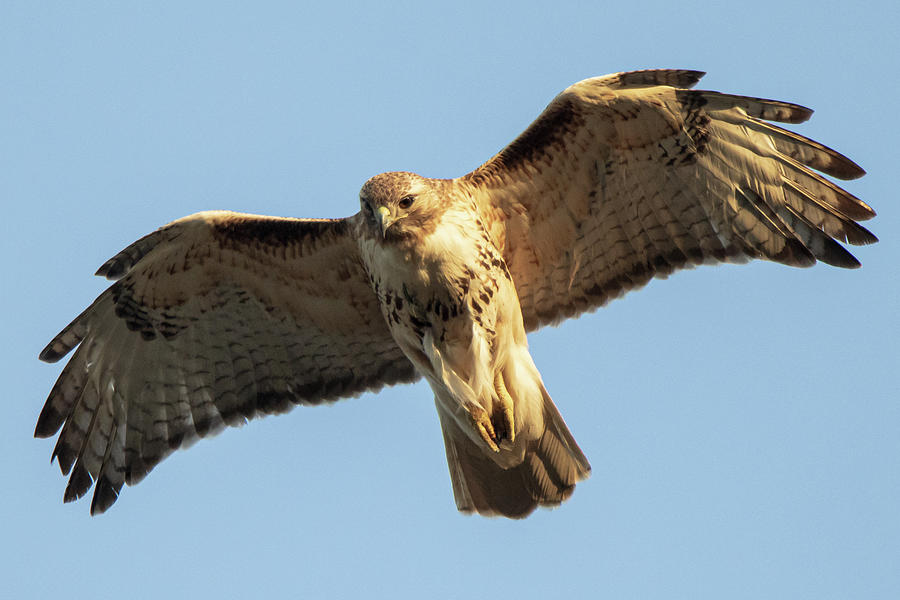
{"points": [[506, 405], [487, 434], [484, 426]]}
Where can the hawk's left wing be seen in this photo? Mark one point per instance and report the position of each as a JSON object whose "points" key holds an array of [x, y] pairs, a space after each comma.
{"points": [[215, 319], [632, 176]]}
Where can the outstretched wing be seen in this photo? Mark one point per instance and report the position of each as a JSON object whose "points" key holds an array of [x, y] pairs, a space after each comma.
{"points": [[215, 319], [632, 176]]}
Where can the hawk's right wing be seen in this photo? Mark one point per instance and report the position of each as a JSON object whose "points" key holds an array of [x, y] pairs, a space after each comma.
{"points": [[215, 319]]}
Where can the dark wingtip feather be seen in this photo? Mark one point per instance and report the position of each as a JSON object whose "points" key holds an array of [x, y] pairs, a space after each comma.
{"points": [[838, 256], [51, 355], [798, 113], [105, 495], [819, 243], [693, 77], [852, 206], [71, 335], [64, 456], [869, 210], [871, 238], [79, 483], [856, 234], [684, 78], [109, 269], [119, 265], [49, 422], [848, 169], [761, 108], [680, 78]]}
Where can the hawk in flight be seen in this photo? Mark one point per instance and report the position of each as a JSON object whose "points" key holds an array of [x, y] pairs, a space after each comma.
{"points": [[220, 317]]}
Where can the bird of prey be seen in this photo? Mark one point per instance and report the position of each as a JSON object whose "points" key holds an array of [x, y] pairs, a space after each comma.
{"points": [[220, 317]]}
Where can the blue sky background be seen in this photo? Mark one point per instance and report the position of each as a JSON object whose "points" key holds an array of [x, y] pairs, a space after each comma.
{"points": [[743, 422]]}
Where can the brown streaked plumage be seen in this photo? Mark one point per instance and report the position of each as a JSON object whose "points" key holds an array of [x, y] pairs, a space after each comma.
{"points": [[220, 317]]}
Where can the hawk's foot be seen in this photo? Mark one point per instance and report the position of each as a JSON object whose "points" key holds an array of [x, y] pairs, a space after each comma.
{"points": [[503, 419], [483, 426]]}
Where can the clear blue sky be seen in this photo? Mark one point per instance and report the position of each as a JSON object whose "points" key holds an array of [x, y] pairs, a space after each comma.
{"points": [[743, 422]]}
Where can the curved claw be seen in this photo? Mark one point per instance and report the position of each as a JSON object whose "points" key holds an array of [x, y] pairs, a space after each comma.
{"points": [[484, 427], [506, 406]]}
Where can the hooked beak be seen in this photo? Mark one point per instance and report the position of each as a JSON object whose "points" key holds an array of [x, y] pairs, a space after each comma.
{"points": [[384, 218]]}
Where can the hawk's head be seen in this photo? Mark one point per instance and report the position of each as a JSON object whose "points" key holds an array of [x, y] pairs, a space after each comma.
{"points": [[400, 206]]}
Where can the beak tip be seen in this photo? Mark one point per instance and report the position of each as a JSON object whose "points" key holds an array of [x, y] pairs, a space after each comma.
{"points": [[384, 219]]}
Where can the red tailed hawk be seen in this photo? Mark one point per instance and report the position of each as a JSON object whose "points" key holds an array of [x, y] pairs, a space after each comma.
{"points": [[221, 317]]}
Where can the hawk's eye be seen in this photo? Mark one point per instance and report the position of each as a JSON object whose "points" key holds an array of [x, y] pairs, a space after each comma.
{"points": [[366, 207], [405, 202]]}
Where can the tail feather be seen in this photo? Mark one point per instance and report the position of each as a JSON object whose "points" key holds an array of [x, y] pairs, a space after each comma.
{"points": [[552, 465]]}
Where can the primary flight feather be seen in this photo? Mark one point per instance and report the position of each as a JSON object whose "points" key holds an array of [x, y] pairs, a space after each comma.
{"points": [[220, 317]]}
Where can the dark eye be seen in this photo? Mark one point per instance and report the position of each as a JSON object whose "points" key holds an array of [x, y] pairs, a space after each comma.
{"points": [[366, 207], [405, 202]]}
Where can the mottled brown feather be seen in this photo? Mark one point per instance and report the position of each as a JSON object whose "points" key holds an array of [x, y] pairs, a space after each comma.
{"points": [[213, 320], [624, 178]]}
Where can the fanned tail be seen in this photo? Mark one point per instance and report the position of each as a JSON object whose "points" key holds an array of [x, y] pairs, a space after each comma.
{"points": [[552, 465]]}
